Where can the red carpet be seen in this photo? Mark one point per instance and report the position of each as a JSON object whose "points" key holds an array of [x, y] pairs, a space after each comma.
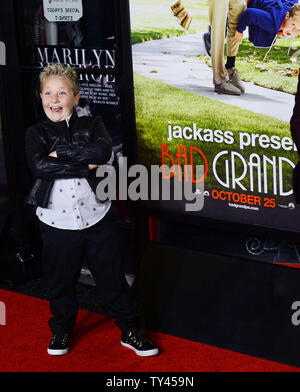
{"points": [[96, 346]]}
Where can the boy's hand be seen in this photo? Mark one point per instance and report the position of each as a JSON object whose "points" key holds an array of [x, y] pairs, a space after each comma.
{"points": [[53, 154], [91, 166], [238, 37]]}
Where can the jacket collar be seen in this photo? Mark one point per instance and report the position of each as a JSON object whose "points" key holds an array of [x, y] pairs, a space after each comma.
{"points": [[73, 117]]}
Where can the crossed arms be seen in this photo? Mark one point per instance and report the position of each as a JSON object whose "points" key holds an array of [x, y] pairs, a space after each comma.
{"points": [[67, 161]]}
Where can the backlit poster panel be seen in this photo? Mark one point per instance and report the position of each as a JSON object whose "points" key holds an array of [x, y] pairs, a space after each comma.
{"points": [[243, 141]]}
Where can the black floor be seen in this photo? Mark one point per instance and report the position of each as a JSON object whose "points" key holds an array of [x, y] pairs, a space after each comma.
{"points": [[35, 286]]}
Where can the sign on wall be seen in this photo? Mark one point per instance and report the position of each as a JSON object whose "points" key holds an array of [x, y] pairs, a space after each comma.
{"points": [[62, 10]]}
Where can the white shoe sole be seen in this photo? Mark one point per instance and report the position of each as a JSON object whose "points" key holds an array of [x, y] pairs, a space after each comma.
{"points": [[147, 353], [57, 352]]}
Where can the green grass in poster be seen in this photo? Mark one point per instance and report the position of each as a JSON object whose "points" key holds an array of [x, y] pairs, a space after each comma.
{"points": [[157, 103], [279, 71]]}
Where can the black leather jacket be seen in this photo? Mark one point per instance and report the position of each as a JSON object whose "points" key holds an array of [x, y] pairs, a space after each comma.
{"points": [[85, 141]]}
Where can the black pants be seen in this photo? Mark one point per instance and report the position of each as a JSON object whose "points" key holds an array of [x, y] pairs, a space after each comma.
{"points": [[63, 254]]}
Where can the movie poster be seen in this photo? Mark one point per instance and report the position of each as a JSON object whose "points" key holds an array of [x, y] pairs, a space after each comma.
{"points": [[79, 34], [243, 141]]}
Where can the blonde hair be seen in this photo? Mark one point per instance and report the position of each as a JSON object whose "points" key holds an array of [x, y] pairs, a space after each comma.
{"points": [[62, 71], [295, 10]]}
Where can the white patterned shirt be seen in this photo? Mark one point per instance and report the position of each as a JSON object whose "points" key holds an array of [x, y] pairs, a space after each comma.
{"points": [[72, 205]]}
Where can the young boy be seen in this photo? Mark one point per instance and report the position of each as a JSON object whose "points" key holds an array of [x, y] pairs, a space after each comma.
{"points": [[268, 18], [63, 153]]}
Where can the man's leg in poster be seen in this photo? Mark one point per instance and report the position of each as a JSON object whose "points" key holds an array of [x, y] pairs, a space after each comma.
{"points": [[218, 11]]}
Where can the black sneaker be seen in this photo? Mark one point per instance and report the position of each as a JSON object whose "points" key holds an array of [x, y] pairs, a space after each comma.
{"points": [[138, 342], [59, 344]]}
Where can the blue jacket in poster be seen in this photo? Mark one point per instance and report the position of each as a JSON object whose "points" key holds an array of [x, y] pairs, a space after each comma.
{"points": [[264, 19]]}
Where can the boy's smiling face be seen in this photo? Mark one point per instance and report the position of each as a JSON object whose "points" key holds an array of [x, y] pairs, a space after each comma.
{"points": [[58, 98]]}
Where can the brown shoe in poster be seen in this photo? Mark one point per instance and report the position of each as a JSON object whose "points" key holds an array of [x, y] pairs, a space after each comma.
{"points": [[235, 79], [227, 88], [182, 15]]}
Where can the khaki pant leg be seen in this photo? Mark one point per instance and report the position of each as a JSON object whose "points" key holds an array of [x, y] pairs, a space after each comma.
{"points": [[218, 10], [236, 7]]}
